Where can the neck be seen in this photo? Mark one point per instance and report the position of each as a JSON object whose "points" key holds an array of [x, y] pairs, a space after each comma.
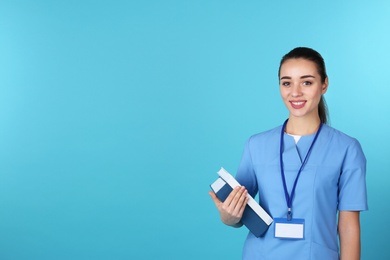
{"points": [[301, 126]]}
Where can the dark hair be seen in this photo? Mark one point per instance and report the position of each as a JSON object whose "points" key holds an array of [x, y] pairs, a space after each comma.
{"points": [[314, 56]]}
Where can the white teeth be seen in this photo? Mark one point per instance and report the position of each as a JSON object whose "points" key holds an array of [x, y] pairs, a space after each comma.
{"points": [[297, 103]]}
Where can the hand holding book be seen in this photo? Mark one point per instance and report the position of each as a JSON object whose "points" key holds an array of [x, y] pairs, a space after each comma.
{"points": [[240, 207], [232, 208]]}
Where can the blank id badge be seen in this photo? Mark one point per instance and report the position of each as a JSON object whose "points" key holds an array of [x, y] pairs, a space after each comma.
{"points": [[289, 229]]}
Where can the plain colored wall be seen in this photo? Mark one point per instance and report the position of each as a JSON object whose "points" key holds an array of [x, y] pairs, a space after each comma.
{"points": [[116, 115]]}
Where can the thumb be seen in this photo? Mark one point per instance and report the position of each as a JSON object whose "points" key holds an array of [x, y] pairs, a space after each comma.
{"points": [[214, 198]]}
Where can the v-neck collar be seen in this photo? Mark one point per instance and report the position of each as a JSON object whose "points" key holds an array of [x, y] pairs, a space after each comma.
{"points": [[299, 149]]}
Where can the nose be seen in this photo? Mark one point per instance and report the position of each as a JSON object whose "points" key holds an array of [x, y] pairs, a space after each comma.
{"points": [[296, 90]]}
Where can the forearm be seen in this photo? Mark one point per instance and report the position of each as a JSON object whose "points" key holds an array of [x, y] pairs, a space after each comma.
{"points": [[350, 246], [349, 232]]}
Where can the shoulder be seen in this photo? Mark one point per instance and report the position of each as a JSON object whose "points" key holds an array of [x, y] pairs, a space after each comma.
{"points": [[341, 143], [262, 147], [266, 135], [264, 141], [333, 135]]}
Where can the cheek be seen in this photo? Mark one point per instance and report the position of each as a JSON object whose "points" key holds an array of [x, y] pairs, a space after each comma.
{"points": [[316, 94], [285, 99], [319, 94], [283, 93]]}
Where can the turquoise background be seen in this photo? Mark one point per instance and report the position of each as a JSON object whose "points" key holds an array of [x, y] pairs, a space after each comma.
{"points": [[116, 115]]}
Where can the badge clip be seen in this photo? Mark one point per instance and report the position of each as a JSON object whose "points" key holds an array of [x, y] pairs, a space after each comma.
{"points": [[289, 214]]}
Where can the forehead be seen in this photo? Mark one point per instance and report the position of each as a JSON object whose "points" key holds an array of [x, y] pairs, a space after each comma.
{"points": [[298, 67]]}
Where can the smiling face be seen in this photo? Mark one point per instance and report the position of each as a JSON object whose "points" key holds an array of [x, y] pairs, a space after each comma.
{"points": [[301, 87]]}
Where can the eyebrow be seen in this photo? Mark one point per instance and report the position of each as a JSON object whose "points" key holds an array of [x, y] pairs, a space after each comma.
{"points": [[302, 77]]}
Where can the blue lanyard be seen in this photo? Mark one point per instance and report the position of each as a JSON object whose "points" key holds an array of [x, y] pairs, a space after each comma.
{"points": [[288, 197]]}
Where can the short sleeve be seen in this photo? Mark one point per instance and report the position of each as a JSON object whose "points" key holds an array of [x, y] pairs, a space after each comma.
{"points": [[245, 173], [352, 183]]}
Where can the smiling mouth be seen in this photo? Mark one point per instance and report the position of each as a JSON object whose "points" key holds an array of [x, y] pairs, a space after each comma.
{"points": [[297, 104]]}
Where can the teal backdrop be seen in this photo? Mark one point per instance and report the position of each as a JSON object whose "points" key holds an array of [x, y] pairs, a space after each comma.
{"points": [[116, 115]]}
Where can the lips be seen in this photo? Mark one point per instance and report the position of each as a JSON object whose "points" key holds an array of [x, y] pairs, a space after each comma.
{"points": [[298, 104]]}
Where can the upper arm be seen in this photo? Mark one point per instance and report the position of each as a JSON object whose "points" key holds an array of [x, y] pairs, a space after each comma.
{"points": [[245, 174], [352, 182]]}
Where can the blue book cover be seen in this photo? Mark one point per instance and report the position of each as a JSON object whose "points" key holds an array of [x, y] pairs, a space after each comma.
{"points": [[255, 218]]}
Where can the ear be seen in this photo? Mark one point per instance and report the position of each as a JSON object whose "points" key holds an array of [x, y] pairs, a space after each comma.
{"points": [[325, 86]]}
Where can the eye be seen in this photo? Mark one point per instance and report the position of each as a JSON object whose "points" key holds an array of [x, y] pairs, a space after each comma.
{"points": [[307, 83], [285, 84]]}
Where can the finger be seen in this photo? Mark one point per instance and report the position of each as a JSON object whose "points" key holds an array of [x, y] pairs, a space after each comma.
{"points": [[241, 203], [235, 200], [241, 211], [214, 198], [230, 199]]}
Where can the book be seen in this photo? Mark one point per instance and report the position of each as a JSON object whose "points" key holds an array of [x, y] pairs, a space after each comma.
{"points": [[254, 217]]}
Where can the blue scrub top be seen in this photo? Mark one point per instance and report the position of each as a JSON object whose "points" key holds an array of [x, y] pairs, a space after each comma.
{"points": [[333, 178]]}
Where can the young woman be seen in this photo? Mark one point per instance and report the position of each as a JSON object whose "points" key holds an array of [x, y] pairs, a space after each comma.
{"points": [[306, 174]]}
